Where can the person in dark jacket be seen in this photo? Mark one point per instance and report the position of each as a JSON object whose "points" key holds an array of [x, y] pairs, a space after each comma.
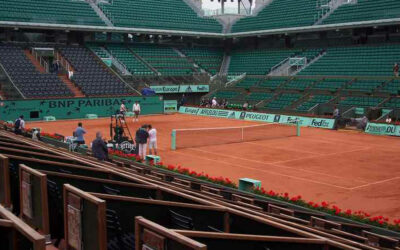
{"points": [[142, 135], [99, 148]]}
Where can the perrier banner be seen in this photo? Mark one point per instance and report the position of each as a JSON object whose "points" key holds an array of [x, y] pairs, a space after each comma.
{"points": [[34, 110]]}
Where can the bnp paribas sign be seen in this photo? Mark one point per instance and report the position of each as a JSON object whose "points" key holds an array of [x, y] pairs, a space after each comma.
{"points": [[169, 89]]}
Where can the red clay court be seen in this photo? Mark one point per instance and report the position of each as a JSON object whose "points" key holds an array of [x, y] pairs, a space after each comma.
{"points": [[350, 169]]}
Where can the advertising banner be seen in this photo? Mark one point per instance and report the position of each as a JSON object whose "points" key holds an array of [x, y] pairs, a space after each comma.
{"points": [[169, 89], [170, 106], [34, 110], [260, 117], [382, 129]]}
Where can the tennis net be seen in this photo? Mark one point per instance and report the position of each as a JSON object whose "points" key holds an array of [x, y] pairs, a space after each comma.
{"points": [[198, 137]]}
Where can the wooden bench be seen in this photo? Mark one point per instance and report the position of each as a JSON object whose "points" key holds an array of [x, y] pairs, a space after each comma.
{"points": [[216, 241], [381, 241], [151, 235], [18, 235], [84, 220]]}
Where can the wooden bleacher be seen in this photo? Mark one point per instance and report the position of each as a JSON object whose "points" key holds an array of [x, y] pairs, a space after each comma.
{"points": [[138, 186]]}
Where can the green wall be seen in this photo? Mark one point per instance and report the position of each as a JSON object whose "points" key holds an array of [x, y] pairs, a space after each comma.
{"points": [[75, 107]]}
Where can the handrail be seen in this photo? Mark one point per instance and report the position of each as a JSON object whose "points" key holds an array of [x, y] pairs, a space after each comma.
{"points": [[62, 61], [279, 64], [12, 82], [41, 61]]}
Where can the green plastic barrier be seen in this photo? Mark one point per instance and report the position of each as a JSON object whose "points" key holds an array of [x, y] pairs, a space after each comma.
{"points": [[75, 108]]}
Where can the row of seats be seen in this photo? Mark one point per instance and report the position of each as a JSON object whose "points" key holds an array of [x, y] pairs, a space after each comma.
{"points": [[27, 78], [90, 75], [49, 11], [365, 10], [209, 59], [158, 14]]}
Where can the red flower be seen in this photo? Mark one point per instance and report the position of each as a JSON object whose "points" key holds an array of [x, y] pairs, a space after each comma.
{"points": [[348, 212]]}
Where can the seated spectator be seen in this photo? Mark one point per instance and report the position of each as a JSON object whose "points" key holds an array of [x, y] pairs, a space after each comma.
{"points": [[99, 148], [388, 119]]}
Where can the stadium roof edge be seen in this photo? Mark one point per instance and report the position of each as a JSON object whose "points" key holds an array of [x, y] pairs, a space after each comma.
{"points": [[363, 24], [26, 25]]}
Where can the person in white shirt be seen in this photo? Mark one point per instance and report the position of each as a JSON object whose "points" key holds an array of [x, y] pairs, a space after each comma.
{"points": [[136, 110], [152, 140], [214, 102]]}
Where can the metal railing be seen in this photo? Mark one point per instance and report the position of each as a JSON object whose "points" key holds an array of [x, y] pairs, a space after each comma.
{"points": [[40, 59], [66, 65]]}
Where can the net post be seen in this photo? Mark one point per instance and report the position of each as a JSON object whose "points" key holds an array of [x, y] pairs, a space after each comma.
{"points": [[298, 128], [173, 139]]}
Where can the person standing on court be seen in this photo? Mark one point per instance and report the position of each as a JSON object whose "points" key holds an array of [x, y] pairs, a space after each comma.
{"points": [[141, 141], [122, 110], [99, 148], [152, 140], [79, 132], [336, 116], [19, 125], [136, 110]]}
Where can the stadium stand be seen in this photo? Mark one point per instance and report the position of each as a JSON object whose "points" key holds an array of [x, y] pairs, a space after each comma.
{"points": [[283, 101], [273, 83], [27, 78], [248, 82], [90, 75], [239, 219], [356, 61], [164, 59], [297, 13], [209, 59], [364, 10], [392, 87], [366, 86], [49, 11], [257, 62], [154, 14], [361, 101], [314, 100], [392, 103], [299, 84], [330, 84], [132, 63]]}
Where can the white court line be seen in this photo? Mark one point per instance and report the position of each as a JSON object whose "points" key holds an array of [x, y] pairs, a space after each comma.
{"points": [[333, 141], [336, 153], [270, 172], [289, 149], [375, 183], [278, 166]]}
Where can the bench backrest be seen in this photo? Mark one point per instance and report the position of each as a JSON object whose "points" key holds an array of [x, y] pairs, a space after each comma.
{"points": [[84, 220], [33, 198], [24, 237], [154, 236]]}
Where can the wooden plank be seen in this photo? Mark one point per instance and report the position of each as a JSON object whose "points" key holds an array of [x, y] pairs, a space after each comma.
{"points": [[37, 239], [5, 182], [44, 211], [153, 231]]}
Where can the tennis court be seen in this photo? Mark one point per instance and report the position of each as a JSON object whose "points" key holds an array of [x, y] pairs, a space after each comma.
{"points": [[350, 169]]}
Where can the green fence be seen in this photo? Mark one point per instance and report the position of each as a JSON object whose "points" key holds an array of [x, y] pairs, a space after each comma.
{"points": [[74, 108]]}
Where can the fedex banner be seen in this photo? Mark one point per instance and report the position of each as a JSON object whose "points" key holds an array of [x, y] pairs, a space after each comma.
{"points": [[382, 129], [259, 117]]}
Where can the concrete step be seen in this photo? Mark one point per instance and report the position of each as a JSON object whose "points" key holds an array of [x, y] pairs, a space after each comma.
{"points": [[35, 62], [74, 89]]}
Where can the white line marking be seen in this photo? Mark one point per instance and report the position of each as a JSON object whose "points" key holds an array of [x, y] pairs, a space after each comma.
{"points": [[375, 183], [278, 166], [270, 172]]}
